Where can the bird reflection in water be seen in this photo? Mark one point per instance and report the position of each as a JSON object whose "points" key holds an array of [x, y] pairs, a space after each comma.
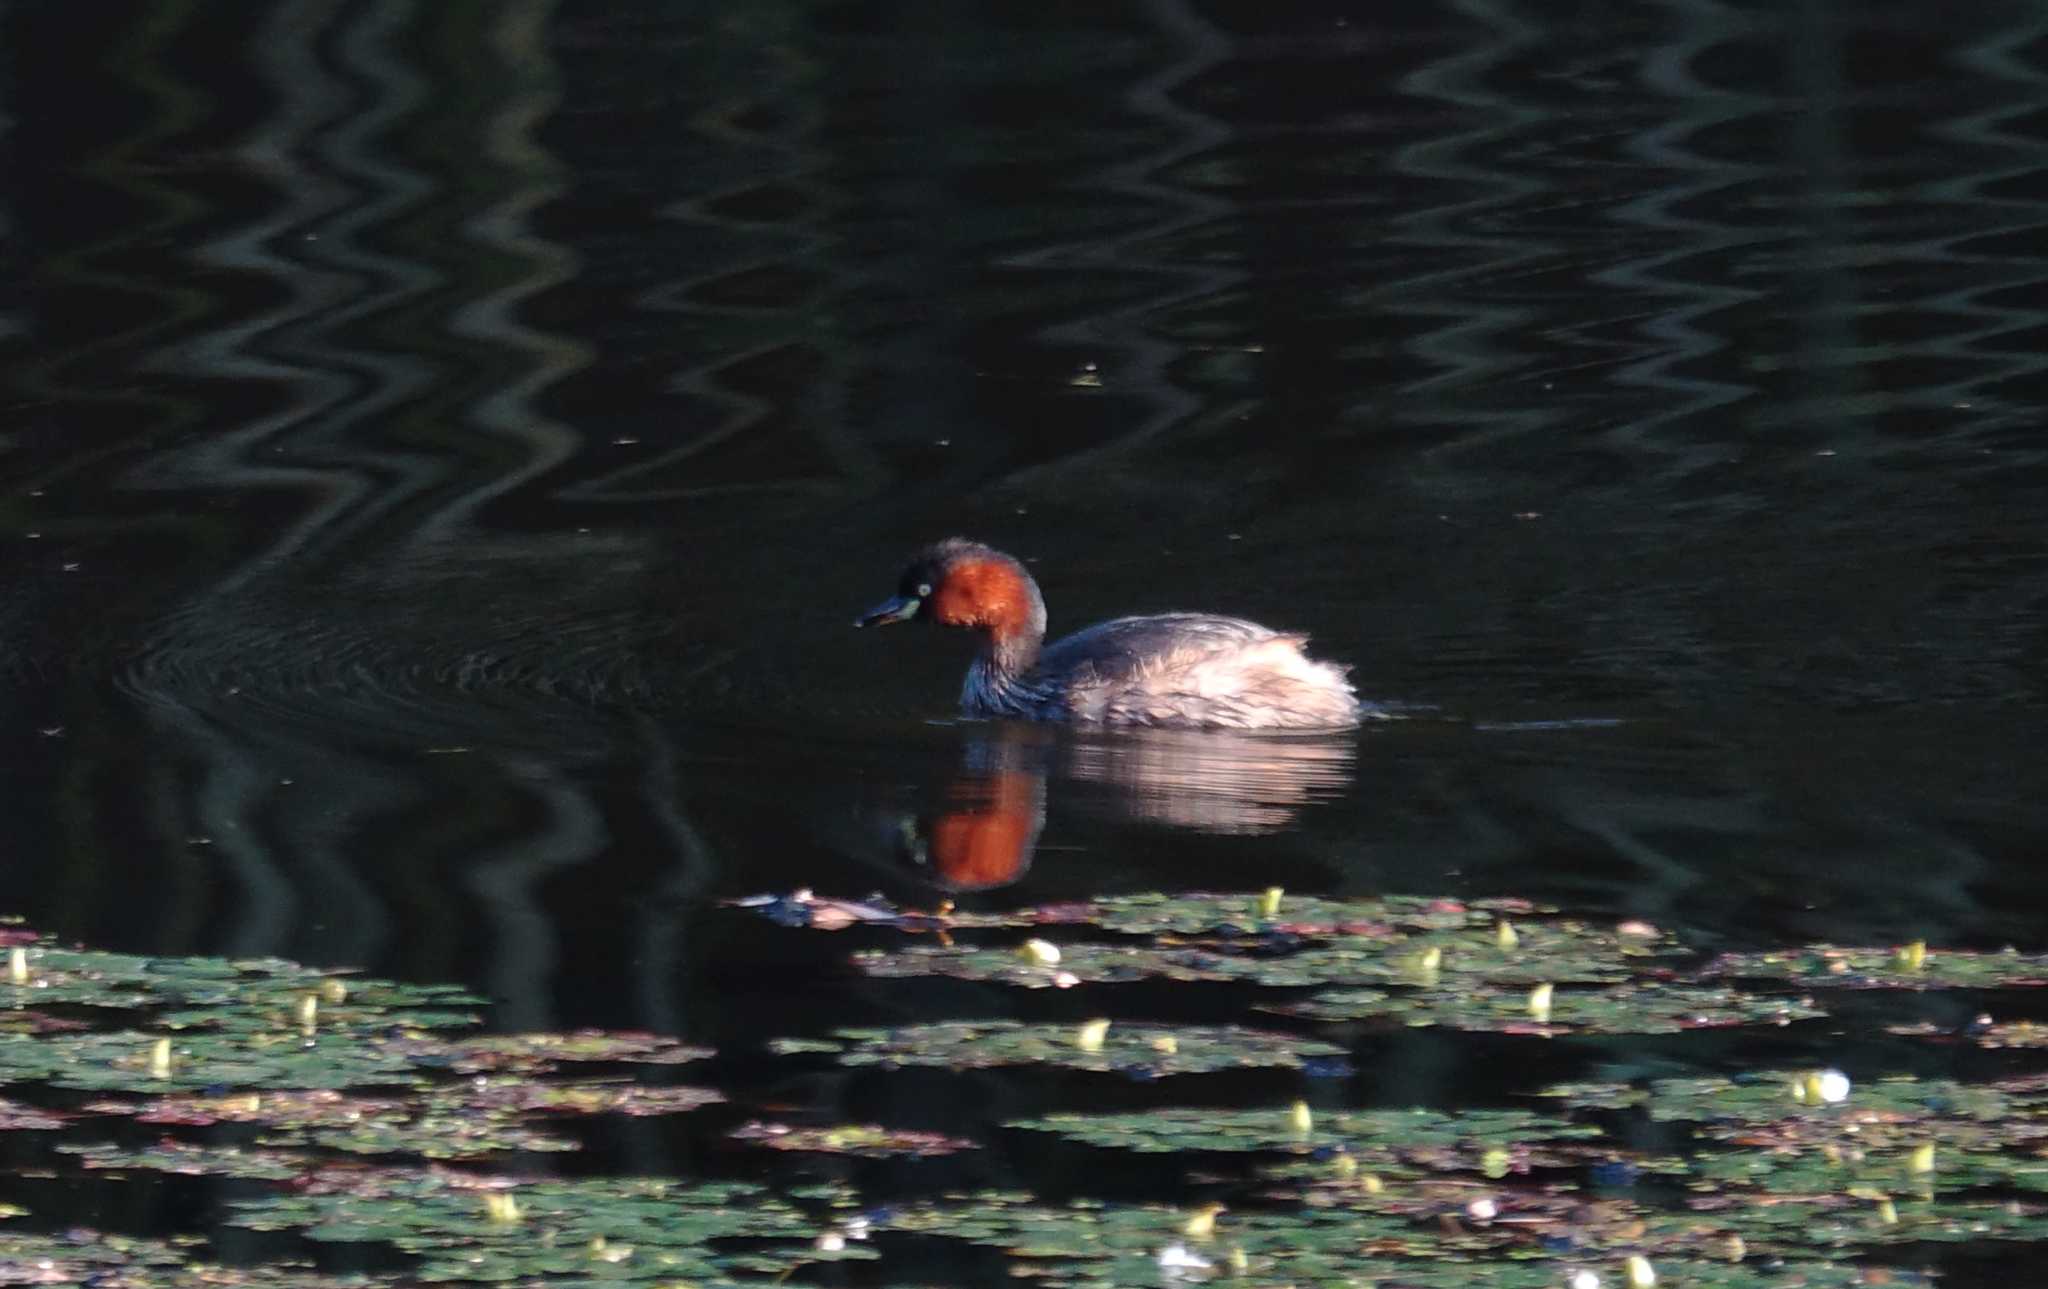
{"points": [[985, 826]]}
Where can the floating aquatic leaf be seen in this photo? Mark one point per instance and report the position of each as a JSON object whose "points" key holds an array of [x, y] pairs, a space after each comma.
{"points": [[1554, 954], [1989, 1134], [1598, 1095], [1772, 1180], [36, 1022], [1234, 916], [93, 978], [1721, 1103], [14, 1116], [1442, 1138], [1982, 1031], [1433, 1241], [1182, 913], [865, 1140], [121, 1060], [1227, 913], [578, 1098], [447, 1121], [1138, 1049], [1650, 1008], [188, 1160], [1826, 966], [542, 1053], [82, 1256], [286, 1058], [618, 1229]]}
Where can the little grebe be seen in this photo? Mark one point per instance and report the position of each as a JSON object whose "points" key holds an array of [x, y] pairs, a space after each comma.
{"points": [[1182, 669]]}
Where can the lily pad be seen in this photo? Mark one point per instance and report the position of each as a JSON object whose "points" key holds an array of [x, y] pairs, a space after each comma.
{"points": [[1181, 913], [81, 1255], [1561, 955], [126, 1060], [1434, 1244], [1442, 1138], [1142, 1050], [15, 1116], [449, 1121], [1829, 967], [868, 1141], [58, 976], [617, 1229], [187, 1159], [1186, 913], [1981, 1032], [1267, 939], [1726, 1104], [1649, 1008], [544, 1053]]}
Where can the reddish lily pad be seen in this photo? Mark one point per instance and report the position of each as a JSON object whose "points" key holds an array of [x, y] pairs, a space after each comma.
{"points": [[185, 1159], [868, 1141], [15, 1116]]}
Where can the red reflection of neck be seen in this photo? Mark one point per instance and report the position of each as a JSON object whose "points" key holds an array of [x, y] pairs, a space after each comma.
{"points": [[988, 840]]}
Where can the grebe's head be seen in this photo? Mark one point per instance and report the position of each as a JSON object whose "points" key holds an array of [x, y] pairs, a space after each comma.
{"points": [[958, 583]]}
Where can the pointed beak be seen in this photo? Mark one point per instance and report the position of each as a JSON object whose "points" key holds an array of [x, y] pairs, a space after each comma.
{"points": [[901, 608]]}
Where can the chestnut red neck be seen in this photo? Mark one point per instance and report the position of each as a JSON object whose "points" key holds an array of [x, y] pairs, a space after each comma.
{"points": [[989, 592]]}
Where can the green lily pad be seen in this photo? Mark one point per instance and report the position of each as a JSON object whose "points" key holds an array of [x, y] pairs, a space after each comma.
{"points": [[1829, 967], [448, 1121], [1649, 1008], [544, 1053], [1228, 913], [1290, 941], [1432, 1243], [616, 1229], [1561, 954], [84, 1256], [1722, 1104], [1984, 1032], [1129, 1048], [1176, 913], [92, 978], [341, 1101], [122, 1060], [1441, 1138]]}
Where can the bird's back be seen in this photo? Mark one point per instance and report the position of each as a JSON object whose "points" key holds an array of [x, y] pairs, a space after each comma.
{"points": [[1192, 669]]}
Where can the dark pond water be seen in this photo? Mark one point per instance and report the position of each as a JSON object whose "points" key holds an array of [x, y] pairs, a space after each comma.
{"points": [[442, 446]]}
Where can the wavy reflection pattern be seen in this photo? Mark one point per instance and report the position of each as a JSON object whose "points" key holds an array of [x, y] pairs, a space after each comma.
{"points": [[751, 282], [389, 378], [339, 347]]}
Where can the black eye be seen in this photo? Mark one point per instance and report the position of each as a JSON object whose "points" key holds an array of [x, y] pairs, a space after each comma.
{"points": [[923, 589]]}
